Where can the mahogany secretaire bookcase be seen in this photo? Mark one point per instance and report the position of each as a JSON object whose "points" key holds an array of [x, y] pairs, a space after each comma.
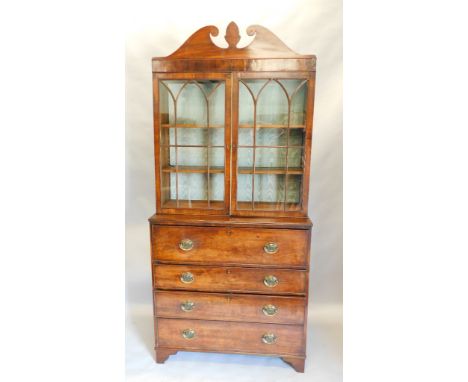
{"points": [[230, 240]]}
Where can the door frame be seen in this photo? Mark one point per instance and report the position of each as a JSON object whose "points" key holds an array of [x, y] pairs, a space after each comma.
{"points": [[236, 77], [227, 78]]}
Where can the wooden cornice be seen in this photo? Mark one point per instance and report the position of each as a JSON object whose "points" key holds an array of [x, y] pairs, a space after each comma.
{"points": [[199, 53]]}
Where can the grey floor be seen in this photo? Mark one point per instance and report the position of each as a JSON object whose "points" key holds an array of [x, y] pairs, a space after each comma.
{"points": [[323, 364]]}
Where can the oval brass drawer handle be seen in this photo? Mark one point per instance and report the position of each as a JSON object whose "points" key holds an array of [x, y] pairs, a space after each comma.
{"points": [[187, 306], [270, 281], [188, 334], [269, 338], [187, 277], [269, 310], [186, 245], [271, 248]]}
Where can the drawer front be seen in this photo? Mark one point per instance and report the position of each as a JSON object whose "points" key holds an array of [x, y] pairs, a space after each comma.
{"points": [[230, 279], [230, 307], [231, 336], [287, 248]]}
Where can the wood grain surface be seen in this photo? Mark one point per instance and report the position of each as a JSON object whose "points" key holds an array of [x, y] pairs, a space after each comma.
{"points": [[230, 279], [230, 336], [229, 307], [231, 246]]}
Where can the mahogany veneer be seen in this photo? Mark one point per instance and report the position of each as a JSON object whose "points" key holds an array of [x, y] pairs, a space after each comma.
{"points": [[231, 246], [230, 307], [230, 279], [231, 336], [230, 242]]}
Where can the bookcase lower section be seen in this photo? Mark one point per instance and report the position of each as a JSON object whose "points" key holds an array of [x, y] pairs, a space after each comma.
{"points": [[231, 285]]}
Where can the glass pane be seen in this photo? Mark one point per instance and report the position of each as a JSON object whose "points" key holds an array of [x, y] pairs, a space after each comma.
{"points": [[245, 136], [297, 89], [192, 114], [188, 136], [191, 106], [172, 156], [295, 158], [173, 86], [216, 102], [270, 192], [167, 185], [244, 191], [269, 188], [246, 106], [216, 136], [293, 193], [245, 157], [191, 186], [268, 157], [217, 187], [278, 137], [272, 121], [166, 105], [271, 137], [216, 157], [189, 156], [272, 106], [296, 137]]}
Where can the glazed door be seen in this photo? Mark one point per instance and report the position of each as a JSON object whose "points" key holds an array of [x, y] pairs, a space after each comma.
{"points": [[272, 115], [192, 141]]}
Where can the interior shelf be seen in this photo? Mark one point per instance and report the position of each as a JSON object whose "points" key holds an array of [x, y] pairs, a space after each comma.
{"points": [[271, 126], [269, 147], [259, 126], [191, 125], [271, 170], [241, 170], [269, 206], [202, 146], [214, 204], [194, 169]]}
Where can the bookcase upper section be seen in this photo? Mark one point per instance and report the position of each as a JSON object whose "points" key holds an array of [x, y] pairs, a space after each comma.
{"points": [[265, 53], [233, 126]]}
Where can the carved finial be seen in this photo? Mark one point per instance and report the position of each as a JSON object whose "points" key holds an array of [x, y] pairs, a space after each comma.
{"points": [[232, 34]]}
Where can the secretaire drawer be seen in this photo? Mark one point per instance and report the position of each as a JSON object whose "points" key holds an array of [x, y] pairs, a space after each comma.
{"points": [[224, 245], [230, 336], [230, 279], [230, 307]]}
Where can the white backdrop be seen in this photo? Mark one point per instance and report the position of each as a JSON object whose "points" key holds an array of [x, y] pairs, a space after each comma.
{"points": [[307, 27]]}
